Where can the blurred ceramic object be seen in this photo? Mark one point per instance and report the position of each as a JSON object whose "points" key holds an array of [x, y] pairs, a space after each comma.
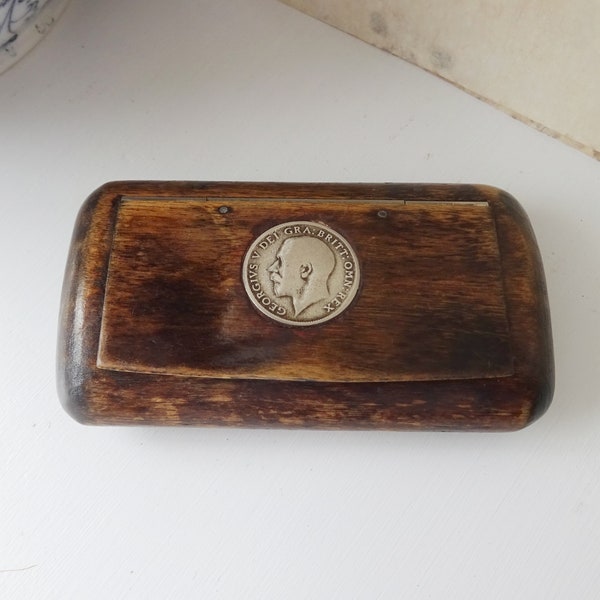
{"points": [[23, 23]]}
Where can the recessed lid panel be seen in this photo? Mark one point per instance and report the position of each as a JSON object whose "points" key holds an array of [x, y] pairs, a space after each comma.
{"points": [[427, 299]]}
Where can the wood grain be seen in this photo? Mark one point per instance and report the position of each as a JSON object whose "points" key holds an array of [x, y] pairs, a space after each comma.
{"points": [[450, 329]]}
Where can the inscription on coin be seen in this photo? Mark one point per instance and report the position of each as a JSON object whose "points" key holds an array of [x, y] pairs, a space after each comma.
{"points": [[301, 273]]}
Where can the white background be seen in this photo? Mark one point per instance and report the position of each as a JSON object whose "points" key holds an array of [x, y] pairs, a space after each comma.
{"points": [[252, 90]]}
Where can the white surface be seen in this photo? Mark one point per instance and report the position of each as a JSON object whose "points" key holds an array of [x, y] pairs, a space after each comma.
{"points": [[252, 90]]}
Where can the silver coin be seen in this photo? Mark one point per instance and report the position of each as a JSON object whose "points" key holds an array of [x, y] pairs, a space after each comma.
{"points": [[301, 273]]}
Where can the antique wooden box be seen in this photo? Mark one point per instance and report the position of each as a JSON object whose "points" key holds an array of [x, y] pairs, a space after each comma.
{"points": [[304, 305]]}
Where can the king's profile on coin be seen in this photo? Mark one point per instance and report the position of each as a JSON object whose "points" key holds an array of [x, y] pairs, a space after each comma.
{"points": [[301, 273], [301, 270]]}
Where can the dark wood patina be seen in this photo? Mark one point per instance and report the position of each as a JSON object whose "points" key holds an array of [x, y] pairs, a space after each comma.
{"points": [[449, 329]]}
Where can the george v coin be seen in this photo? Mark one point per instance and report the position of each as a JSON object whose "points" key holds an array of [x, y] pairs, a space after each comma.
{"points": [[301, 273]]}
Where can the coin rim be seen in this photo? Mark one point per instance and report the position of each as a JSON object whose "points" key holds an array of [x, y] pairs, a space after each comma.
{"points": [[288, 322]]}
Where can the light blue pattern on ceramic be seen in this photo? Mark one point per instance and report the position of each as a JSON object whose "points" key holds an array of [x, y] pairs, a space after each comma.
{"points": [[22, 24], [14, 15]]}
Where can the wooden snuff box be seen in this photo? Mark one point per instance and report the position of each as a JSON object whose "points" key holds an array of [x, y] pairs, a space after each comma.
{"points": [[304, 305]]}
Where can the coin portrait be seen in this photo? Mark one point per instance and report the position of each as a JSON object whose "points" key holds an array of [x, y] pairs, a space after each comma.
{"points": [[301, 273]]}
